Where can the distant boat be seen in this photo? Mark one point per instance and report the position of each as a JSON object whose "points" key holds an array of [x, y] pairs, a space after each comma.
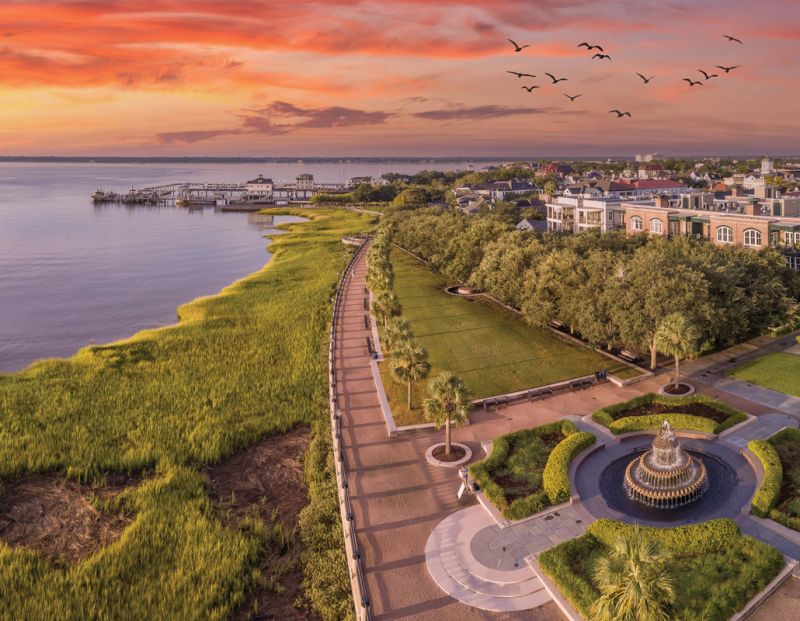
{"points": [[104, 197], [195, 201]]}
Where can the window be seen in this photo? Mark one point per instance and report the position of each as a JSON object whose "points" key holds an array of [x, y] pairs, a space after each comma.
{"points": [[725, 234], [752, 237], [787, 237], [636, 223], [655, 225], [797, 238]]}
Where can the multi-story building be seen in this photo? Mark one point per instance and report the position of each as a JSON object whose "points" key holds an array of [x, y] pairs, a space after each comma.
{"points": [[585, 212], [748, 229]]}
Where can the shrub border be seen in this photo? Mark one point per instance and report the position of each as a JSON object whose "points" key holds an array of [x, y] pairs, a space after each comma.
{"points": [[481, 472], [605, 416], [766, 496]]}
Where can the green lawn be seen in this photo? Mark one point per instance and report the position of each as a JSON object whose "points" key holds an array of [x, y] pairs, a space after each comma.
{"points": [[780, 371], [490, 348], [239, 366]]}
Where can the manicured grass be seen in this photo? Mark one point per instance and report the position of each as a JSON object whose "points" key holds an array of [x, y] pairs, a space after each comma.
{"points": [[490, 348], [779, 371], [241, 365], [787, 508], [717, 570]]}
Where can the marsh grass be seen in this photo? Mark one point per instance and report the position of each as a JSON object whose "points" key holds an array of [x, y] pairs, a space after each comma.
{"points": [[246, 363]]}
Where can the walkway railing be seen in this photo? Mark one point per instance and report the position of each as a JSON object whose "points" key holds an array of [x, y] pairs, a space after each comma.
{"points": [[355, 562]]}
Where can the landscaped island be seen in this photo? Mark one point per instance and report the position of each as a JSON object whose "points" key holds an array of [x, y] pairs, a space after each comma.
{"points": [[528, 470], [154, 426], [714, 568], [696, 413]]}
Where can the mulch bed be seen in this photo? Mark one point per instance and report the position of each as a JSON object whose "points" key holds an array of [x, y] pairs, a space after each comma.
{"points": [[54, 517], [456, 453], [695, 409]]}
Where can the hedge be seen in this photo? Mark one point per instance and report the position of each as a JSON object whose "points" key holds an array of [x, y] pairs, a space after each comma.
{"points": [[605, 416], [653, 421], [766, 497], [501, 447], [556, 471], [693, 539], [558, 563]]}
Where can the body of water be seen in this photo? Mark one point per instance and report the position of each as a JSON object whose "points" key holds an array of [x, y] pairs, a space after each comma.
{"points": [[72, 273]]}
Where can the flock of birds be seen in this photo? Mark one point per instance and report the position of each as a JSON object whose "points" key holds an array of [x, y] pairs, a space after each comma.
{"points": [[601, 55]]}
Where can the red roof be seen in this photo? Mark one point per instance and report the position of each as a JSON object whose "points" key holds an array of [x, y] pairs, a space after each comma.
{"points": [[657, 184]]}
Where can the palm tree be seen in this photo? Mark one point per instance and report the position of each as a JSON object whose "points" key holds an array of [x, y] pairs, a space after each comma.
{"points": [[676, 336], [410, 364], [385, 305], [448, 403], [396, 333], [635, 582]]}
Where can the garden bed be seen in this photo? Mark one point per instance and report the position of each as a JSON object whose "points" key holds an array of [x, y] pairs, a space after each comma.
{"points": [[520, 477], [696, 412], [716, 569], [787, 508]]}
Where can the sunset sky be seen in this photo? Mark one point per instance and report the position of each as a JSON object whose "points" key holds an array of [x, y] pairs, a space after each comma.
{"points": [[395, 77]]}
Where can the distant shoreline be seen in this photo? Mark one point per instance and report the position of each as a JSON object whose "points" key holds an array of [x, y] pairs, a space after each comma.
{"points": [[88, 159]]}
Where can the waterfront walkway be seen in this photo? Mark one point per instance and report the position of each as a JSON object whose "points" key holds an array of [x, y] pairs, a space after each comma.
{"points": [[397, 497]]}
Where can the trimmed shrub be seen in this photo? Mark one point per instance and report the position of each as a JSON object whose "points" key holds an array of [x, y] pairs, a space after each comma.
{"points": [[653, 421], [609, 415], [502, 446], [556, 471], [711, 536], [559, 563], [766, 496]]}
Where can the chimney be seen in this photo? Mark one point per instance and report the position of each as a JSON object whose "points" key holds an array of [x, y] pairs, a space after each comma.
{"points": [[662, 201], [750, 209]]}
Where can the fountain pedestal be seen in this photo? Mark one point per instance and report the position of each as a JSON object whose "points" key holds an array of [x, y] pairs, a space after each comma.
{"points": [[666, 476]]}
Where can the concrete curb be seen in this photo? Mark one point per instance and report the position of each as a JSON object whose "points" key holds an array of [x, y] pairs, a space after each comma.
{"points": [[566, 608], [448, 464]]}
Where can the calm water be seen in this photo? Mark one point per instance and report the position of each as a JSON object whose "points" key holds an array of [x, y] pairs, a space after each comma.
{"points": [[72, 273]]}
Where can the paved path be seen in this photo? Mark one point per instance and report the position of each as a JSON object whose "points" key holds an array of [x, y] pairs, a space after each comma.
{"points": [[763, 427], [397, 496]]}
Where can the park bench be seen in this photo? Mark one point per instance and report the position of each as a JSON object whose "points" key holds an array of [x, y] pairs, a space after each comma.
{"points": [[629, 356]]}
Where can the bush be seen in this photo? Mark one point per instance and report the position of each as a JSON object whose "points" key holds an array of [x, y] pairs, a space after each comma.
{"points": [[707, 537], [502, 449], [556, 471], [609, 416], [766, 497], [653, 421], [559, 563]]}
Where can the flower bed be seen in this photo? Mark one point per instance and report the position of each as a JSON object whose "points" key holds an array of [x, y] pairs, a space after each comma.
{"points": [[695, 412]]}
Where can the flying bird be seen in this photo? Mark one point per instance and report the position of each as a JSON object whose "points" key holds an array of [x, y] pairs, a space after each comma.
{"points": [[591, 47], [619, 114], [727, 69], [517, 48], [732, 39], [529, 88], [692, 82], [554, 78], [601, 56], [644, 79], [520, 75], [708, 76], [572, 97]]}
